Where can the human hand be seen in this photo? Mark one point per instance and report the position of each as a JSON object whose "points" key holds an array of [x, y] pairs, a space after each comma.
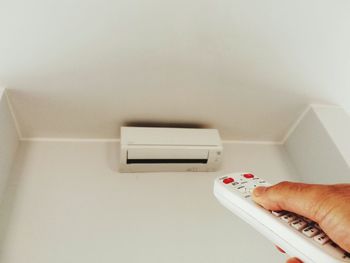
{"points": [[327, 205]]}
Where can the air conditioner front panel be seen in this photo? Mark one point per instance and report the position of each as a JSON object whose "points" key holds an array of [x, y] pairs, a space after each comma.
{"points": [[158, 149], [169, 136]]}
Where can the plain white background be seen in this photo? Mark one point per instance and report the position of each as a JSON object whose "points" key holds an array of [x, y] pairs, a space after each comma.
{"points": [[249, 68]]}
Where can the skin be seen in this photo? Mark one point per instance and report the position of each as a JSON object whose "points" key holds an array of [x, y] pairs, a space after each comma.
{"points": [[328, 205]]}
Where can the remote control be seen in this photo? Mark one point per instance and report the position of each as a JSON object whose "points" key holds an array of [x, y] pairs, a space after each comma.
{"points": [[296, 235]]}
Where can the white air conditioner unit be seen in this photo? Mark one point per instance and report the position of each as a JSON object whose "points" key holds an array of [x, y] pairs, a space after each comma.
{"points": [[169, 149]]}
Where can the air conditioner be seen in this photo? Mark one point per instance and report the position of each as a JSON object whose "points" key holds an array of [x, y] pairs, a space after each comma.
{"points": [[169, 149]]}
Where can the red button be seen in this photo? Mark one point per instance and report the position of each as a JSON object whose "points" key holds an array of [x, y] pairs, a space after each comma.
{"points": [[280, 249], [228, 180], [248, 176]]}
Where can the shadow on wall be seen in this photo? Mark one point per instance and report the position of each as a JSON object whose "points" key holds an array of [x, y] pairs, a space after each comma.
{"points": [[142, 123]]}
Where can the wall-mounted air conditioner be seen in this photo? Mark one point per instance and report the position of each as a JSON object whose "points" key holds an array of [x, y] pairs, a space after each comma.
{"points": [[169, 149]]}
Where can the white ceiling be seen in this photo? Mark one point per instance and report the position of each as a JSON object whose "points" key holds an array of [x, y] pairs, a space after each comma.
{"points": [[82, 68]]}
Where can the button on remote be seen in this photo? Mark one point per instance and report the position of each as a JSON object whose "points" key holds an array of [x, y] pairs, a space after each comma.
{"points": [[228, 180], [278, 213], [288, 217], [321, 238], [248, 176], [241, 189], [299, 224], [310, 231]]}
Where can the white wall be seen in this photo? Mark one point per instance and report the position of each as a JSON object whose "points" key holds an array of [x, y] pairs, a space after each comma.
{"points": [[337, 123], [320, 146], [8, 141], [66, 203], [82, 68]]}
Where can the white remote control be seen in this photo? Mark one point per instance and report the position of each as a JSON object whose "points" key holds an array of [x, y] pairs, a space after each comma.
{"points": [[297, 236]]}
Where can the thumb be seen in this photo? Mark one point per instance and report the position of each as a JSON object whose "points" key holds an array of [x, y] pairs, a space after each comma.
{"points": [[303, 199]]}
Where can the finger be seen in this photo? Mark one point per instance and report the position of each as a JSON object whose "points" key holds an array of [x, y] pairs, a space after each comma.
{"points": [[294, 260], [303, 199]]}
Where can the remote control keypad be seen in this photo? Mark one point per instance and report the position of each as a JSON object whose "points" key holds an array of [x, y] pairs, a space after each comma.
{"points": [[310, 229], [245, 183]]}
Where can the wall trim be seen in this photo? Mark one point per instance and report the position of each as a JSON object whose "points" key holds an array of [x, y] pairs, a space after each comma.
{"points": [[251, 142], [44, 139]]}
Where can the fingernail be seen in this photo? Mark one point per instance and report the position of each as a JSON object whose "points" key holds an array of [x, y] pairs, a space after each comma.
{"points": [[259, 191]]}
